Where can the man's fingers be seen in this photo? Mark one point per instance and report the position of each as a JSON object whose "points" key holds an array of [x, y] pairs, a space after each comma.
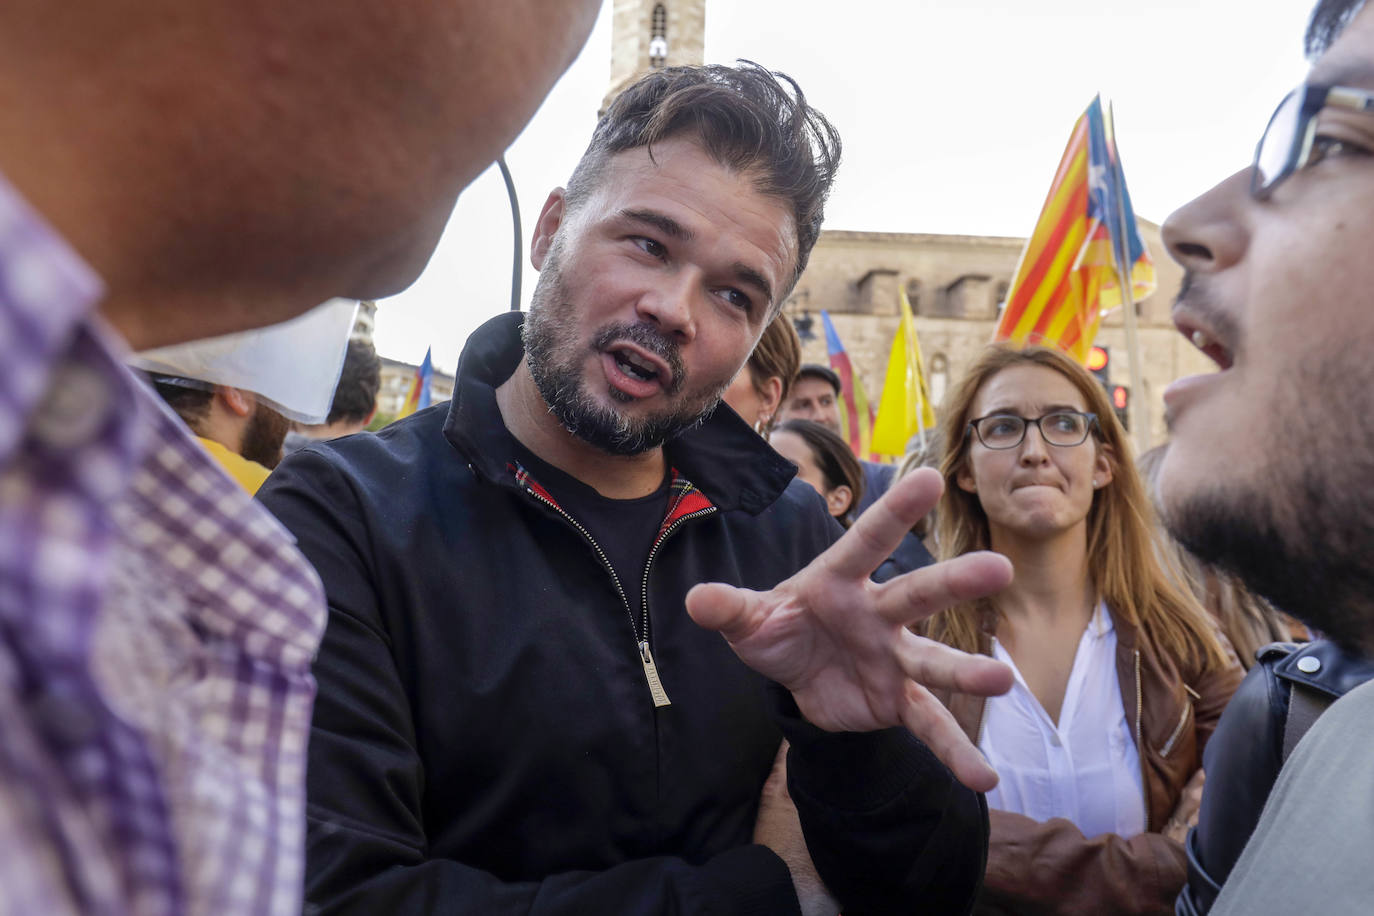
{"points": [[881, 527], [935, 665], [928, 719], [734, 612], [916, 595]]}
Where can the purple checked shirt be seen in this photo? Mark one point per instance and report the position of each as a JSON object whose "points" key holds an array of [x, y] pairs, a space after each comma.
{"points": [[156, 631]]}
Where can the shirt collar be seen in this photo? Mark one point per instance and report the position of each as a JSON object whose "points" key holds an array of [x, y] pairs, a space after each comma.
{"points": [[46, 292]]}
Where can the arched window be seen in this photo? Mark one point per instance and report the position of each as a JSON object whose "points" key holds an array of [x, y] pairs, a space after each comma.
{"points": [[939, 378], [658, 37]]}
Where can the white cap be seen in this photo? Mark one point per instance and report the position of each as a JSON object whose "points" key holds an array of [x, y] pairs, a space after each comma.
{"points": [[293, 366]]}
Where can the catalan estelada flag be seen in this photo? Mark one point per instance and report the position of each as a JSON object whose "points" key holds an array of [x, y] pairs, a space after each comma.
{"points": [[419, 396], [856, 413], [1067, 278]]}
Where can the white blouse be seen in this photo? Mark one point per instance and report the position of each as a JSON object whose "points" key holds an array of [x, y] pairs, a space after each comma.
{"points": [[1086, 768]]}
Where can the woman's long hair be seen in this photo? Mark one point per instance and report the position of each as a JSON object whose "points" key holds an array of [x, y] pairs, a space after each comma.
{"points": [[1121, 545], [833, 457]]}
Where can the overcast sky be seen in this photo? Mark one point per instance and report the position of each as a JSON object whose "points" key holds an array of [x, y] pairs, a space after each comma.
{"points": [[953, 115]]}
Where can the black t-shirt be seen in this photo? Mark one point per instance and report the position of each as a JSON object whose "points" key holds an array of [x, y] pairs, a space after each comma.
{"points": [[624, 529]]}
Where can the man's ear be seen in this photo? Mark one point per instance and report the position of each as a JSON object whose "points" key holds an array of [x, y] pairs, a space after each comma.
{"points": [[546, 227], [239, 402]]}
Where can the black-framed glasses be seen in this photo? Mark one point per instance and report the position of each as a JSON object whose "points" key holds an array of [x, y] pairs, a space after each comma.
{"points": [[1062, 428], [1286, 145]]}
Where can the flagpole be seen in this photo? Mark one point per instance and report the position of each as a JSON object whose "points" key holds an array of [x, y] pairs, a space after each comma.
{"points": [[1140, 425]]}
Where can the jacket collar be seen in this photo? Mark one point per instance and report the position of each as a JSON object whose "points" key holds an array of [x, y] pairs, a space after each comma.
{"points": [[723, 457]]}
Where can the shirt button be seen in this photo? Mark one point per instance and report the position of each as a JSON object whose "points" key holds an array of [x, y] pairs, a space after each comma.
{"points": [[1054, 740], [1309, 665], [75, 408], [64, 718]]}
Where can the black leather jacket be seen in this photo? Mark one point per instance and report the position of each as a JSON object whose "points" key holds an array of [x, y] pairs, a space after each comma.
{"points": [[1246, 753], [484, 740]]}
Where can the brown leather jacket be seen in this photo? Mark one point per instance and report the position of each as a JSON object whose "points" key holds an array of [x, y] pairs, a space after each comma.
{"points": [[1050, 867]]}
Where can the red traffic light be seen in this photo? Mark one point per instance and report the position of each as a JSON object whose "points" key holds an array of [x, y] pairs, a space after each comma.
{"points": [[1120, 396], [1097, 359]]}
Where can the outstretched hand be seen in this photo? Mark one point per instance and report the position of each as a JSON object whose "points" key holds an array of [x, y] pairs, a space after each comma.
{"points": [[839, 641]]}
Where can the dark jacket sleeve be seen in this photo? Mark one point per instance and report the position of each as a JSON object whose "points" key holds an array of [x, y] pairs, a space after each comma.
{"points": [[366, 840], [888, 827]]}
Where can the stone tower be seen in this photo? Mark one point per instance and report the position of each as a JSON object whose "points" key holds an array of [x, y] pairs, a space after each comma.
{"points": [[647, 34]]}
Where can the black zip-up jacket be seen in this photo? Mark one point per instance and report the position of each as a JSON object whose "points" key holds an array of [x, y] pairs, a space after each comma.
{"points": [[484, 739]]}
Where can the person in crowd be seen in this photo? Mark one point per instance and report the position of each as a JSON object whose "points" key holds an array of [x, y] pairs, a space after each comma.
{"points": [[1268, 467], [1244, 620], [825, 462], [815, 396], [526, 704], [237, 428], [923, 451], [1119, 677], [173, 171], [355, 399], [759, 390]]}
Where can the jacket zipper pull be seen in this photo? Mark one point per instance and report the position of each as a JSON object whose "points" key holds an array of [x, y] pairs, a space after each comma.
{"points": [[651, 675]]}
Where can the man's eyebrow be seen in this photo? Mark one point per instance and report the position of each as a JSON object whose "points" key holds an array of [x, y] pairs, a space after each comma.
{"points": [[751, 277], [663, 223]]}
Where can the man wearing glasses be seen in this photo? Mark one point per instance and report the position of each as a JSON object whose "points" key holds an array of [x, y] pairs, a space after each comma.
{"points": [[1269, 471]]}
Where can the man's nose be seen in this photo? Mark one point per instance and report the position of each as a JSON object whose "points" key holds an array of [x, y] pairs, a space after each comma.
{"points": [[670, 304], [1211, 232]]}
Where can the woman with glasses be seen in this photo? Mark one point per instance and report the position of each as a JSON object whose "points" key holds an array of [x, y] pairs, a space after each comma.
{"points": [[1119, 678]]}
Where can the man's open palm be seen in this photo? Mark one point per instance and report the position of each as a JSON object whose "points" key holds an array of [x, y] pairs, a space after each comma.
{"points": [[839, 641]]}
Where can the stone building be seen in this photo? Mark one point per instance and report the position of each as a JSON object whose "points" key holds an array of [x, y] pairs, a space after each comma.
{"points": [[648, 34], [955, 283], [396, 379]]}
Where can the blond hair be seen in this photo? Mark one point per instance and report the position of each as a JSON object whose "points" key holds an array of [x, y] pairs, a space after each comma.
{"points": [[1122, 557]]}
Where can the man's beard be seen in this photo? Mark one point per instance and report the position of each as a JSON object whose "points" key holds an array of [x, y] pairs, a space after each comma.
{"points": [[1302, 536], [263, 436], [556, 360]]}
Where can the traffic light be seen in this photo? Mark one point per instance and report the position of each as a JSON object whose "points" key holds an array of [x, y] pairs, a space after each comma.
{"points": [[1098, 358], [1121, 402]]}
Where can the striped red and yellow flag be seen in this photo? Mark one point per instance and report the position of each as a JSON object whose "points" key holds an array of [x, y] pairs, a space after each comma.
{"points": [[1067, 277]]}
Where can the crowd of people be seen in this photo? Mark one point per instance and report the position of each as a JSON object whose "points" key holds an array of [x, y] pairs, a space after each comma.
{"points": [[625, 627]]}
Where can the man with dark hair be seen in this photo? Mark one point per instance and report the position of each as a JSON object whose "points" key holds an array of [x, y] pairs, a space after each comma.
{"points": [[237, 428], [175, 170], [815, 396], [525, 705], [355, 399], [1278, 292]]}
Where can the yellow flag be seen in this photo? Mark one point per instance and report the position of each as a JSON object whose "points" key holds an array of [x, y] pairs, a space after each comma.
{"points": [[905, 408]]}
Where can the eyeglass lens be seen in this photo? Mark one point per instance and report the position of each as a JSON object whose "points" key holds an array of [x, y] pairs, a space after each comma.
{"points": [[1278, 147], [1007, 431]]}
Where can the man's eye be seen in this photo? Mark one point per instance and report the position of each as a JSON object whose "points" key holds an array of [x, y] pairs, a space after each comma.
{"points": [[1325, 146], [650, 247], [738, 299]]}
